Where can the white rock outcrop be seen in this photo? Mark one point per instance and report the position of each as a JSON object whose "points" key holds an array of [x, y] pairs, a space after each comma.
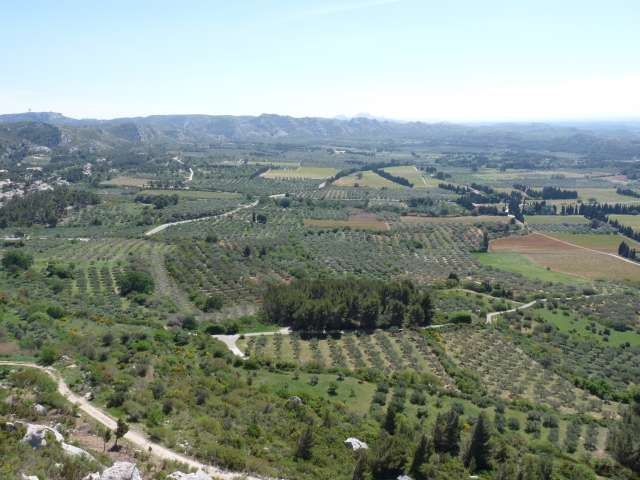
{"points": [[36, 437], [118, 471], [355, 444], [200, 475]]}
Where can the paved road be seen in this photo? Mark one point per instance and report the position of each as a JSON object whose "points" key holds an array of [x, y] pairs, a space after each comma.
{"points": [[164, 226], [135, 437]]}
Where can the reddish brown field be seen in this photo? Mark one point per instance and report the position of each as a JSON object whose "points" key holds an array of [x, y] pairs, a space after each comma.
{"points": [[359, 221], [466, 220], [562, 257]]}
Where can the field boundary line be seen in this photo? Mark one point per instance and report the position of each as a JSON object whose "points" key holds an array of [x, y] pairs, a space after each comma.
{"points": [[608, 254]]}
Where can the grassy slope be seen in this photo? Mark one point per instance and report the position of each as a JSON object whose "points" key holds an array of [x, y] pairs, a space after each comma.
{"points": [[578, 326]]}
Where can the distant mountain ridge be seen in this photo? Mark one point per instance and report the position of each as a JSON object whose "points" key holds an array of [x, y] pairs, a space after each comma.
{"points": [[197, 130]]}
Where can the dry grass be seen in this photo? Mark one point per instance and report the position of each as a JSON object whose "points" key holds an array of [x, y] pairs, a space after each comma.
{"points": [[299, 173], [467, 220], [9, 348], [361, 221], [124, 181], [368, 179], [562, 257]]}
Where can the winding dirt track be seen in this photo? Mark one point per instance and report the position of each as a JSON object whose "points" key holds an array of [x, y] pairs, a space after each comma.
{"points": [[134, 437], [164, 226], [492, 315]]}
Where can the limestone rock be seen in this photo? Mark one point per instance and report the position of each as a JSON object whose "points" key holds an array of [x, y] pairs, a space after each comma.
{"points": [[200, 475], [355, 444], [294, 401], [121, 471], [36, 437]]}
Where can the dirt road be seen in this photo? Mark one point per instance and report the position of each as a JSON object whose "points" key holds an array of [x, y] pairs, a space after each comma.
{"points": [[164, 226], [133, 436]]}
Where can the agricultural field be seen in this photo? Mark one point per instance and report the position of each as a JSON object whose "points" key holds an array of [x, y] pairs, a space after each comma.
{"points": [[632, 221], [586, 329], [466, 220], [312, 173], [145, 325], [366, 179], [357, 222], [199, 194], [567, 220], [602, 242], [523, 265], [414, 176], [565, 224], [381, 351], [126, 181], [511, 374], [567, 258], [583, 350]]}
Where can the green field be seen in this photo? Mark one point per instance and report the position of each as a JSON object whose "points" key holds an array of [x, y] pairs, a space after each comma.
{"points": [[632, 221], [602, 242], [367, 178], [412, 174], [578, 326], [126, 181], [355, 394], [596, 194], [518, 263], [556, 220]]}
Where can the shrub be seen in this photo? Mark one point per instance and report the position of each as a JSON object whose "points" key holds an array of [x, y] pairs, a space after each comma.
{"points": [[135, 281], [16, 260], [55, 311], [513, 424], [460, 317]]}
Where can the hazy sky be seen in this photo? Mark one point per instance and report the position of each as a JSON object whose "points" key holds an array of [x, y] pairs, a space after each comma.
{"points": [[406, 59]]}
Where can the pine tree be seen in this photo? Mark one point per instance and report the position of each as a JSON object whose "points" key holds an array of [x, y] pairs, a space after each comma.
{"points": [[390, 420], [427, 308], [121, 430], [478, 452]]}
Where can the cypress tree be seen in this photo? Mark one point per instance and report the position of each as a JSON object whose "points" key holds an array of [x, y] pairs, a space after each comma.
{"points": [[420, 457], [478, 452]]}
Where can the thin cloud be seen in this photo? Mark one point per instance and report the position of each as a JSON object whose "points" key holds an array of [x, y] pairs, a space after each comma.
{"points": [[335, 9]]}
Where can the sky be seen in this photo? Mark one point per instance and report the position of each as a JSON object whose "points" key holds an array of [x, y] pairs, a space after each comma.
{"points": [[458, 60]]}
